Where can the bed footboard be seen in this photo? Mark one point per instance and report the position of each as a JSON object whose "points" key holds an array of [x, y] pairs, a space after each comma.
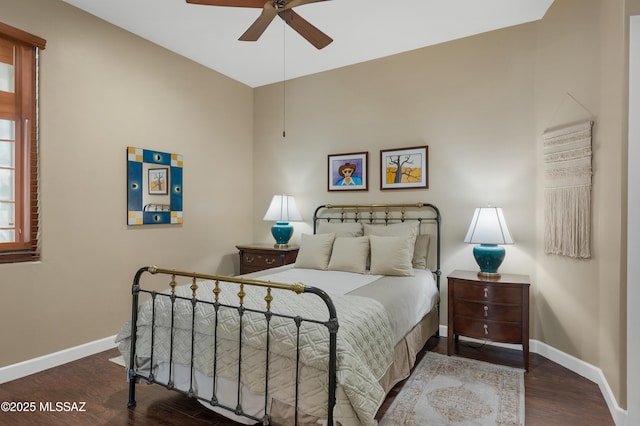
{"points": [[213, 307]]}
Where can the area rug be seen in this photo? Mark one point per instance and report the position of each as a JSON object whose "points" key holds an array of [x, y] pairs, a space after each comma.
{"points": [[448, 390], [118, 360]]}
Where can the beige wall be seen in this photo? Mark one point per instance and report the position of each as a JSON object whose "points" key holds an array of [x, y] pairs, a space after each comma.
{"points": [[481, 104], [581, 305], [103, 89], [469, 101]]}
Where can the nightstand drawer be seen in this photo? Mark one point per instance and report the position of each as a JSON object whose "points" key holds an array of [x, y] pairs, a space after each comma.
{"points": [[261, 261], [506, 332], [488, 293], [257, 257], [480, 310]]}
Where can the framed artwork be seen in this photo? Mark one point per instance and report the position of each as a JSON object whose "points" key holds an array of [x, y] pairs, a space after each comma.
{"points": [[146, 203], [158, 181], [404, 168], [348, 172]]}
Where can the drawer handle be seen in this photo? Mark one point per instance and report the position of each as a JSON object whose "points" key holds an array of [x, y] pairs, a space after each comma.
{"points": [[486, 311], [250, 259], [486, 292], [269, 261], [486, 330]]}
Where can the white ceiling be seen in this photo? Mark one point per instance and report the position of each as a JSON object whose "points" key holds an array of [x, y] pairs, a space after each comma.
{"points": [[361, 29]]}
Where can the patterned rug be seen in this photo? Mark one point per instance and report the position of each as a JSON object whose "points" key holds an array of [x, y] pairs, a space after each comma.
{"points": [[448, 390], [118, 360]]}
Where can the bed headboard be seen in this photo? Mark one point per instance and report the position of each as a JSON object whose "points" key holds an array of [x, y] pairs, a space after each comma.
{"points": [[427, 215]]}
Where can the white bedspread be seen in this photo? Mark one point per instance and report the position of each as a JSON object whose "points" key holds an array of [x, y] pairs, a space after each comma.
{"points": [[406, 299], [365, 346]]}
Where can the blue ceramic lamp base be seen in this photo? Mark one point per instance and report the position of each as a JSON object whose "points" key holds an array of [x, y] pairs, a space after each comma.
{"points": [[282, 233], [489, 258]]}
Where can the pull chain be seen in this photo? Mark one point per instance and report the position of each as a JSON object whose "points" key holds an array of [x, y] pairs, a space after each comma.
{"points": [[284, 79]]}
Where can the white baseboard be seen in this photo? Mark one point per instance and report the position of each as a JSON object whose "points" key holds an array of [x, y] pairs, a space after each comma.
{"points": [[572, 363], [586, 370], [35, 365]]}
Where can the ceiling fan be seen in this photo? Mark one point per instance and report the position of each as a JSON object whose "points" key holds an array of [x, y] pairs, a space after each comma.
{"points": [[282, 8]]}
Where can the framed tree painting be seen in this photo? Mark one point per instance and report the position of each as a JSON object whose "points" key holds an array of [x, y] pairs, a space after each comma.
{"points": [[157, 181], [404, 168], [348, 172]]}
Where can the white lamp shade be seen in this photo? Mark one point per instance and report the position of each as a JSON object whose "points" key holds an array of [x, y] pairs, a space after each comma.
{"points": [[488, 226], [283, 208]]}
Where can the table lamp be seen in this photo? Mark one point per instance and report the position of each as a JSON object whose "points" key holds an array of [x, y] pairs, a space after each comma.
{"points": [[488, 229], [283, 210]]}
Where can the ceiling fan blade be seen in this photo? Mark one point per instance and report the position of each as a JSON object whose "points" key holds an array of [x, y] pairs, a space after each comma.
{"points": [[303, 27], [234, 3], [293, 3], [258, 27]]}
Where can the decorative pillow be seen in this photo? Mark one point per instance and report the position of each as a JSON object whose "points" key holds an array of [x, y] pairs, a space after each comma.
{"points": [[393, 229], [391, 255], [350, 254], [411, 229], [421, 251], [341, 229], [315, 251]]}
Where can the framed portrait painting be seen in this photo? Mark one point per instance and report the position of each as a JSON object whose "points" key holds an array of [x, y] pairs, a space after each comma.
{"points": [[404, 168], [348, 172]]}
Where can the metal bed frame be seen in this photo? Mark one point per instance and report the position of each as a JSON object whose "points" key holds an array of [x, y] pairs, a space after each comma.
{"points": [[365, 213], [331, 323]]}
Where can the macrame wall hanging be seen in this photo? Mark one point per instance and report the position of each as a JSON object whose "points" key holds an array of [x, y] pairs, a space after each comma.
{"points": [[567, 190]]}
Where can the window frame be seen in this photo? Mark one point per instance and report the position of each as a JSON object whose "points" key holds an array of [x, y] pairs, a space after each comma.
{"points": [[25, 115]]}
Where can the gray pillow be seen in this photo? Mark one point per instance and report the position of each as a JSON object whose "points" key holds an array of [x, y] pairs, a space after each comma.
{"points": [[421, 251], [341, 229]]}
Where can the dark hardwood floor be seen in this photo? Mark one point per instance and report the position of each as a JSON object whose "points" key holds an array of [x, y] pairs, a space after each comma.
{"points": [[554, 395]]}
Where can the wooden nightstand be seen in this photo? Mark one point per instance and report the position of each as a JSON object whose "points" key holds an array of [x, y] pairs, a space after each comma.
{"points": [[492, 309], [256, 257]]}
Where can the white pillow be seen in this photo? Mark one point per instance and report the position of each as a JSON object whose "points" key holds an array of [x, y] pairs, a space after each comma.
{"points": [[341, 229], [391, 255], [315, 251], [350, 254]]}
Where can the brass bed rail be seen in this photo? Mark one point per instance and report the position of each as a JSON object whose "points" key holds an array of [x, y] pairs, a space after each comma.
{"points": [[331, 324]]}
